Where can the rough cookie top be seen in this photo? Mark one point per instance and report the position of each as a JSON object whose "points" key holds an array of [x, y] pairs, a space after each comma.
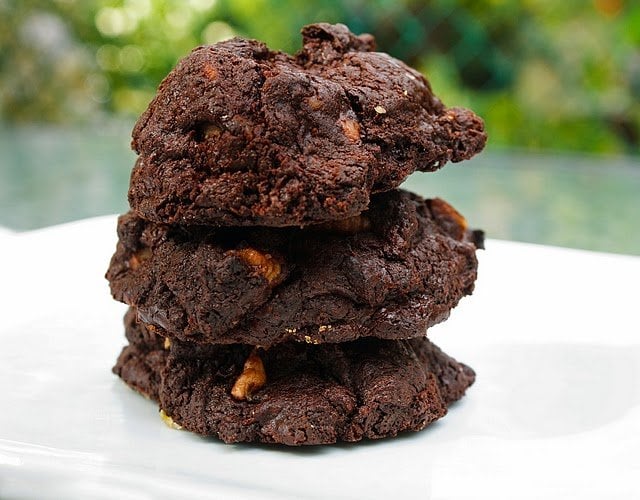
{"points": [[391, 272], [310, 395], [241, 135]]}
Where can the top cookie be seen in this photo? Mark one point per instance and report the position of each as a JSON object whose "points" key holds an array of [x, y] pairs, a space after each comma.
{"points": [[241, 135]]}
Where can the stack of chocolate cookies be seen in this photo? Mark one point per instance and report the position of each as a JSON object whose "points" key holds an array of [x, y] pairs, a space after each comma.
{"points": [[280, 285]]}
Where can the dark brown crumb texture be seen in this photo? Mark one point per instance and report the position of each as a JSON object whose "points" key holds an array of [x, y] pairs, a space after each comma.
{"points": [[242, 135], [390, 273], [368, 388]]}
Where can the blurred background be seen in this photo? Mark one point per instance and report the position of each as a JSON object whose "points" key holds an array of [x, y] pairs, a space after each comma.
{"points": [[557, 83]]}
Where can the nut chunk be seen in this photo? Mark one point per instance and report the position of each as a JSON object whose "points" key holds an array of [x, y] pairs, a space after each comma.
{"points": [[350, 225], [136, 260], [264, 263], [449, 218], [252, 378]]}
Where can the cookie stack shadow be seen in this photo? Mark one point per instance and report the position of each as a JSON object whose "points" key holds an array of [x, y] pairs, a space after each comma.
{"points": [[280, 284]]}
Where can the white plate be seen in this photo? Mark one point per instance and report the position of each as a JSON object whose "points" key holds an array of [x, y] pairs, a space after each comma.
{"points": [[555, 412]]}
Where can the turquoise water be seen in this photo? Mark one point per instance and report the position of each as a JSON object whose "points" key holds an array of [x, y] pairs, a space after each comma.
{"points": [[52, 175]]}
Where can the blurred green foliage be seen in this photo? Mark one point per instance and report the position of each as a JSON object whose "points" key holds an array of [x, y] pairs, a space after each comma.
{"points": [[543, 74]]}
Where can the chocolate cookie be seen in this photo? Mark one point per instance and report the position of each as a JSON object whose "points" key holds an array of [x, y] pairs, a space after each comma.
{"points": [[241, 135], [307, 394], [391, 272]]}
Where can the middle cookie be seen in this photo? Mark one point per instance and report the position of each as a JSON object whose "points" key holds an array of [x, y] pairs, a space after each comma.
{"points": [[391, 272]]}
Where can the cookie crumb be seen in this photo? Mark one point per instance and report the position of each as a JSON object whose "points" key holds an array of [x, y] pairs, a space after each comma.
{"points": [[169, 421]]}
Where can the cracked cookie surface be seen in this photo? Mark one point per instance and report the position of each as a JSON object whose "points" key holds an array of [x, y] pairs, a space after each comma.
{"points": [[241, 135], [314, 394], [392, 272]]}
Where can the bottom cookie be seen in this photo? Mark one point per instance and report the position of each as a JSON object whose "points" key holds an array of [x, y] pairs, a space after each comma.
{"points": [[313, 394]]}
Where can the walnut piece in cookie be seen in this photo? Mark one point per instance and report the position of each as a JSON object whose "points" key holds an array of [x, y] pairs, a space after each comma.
{"points": [[142, 255], [449, 218], [264, 263], [350, 225], [252, 378]]}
